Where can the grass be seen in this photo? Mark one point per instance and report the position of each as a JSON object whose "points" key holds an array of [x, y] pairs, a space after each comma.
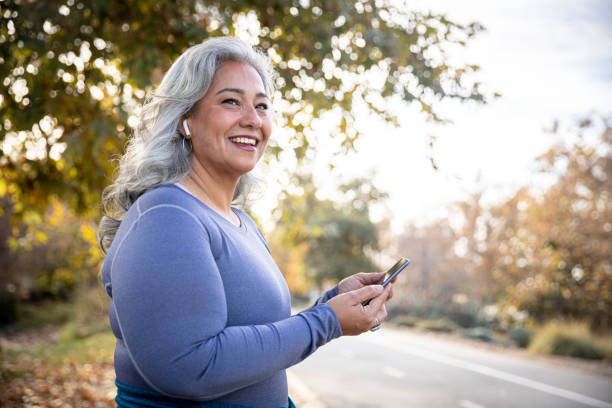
{"points": [[78, 340], [571, 339], [49, 357], [94, 348], [82, 327], [437, 325], [405, 320], [36, 315]]}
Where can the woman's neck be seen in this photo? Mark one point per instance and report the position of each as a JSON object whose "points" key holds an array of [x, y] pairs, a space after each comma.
{"points": [[216, 191]]}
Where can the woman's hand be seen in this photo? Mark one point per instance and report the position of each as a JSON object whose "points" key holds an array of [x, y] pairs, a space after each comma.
{"points": [[353, 316], [361, 279]]}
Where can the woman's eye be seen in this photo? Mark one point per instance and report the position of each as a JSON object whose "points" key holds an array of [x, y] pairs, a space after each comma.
{"points": [[231, 101], [262, 106]]}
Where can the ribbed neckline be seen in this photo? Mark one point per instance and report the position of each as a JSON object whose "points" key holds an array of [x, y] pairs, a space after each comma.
{"points": [[235, 210]]}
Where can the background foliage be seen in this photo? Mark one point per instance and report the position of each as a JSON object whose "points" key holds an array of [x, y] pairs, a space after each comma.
{"points": [[538, 255], [74, 73], [320, 241]]}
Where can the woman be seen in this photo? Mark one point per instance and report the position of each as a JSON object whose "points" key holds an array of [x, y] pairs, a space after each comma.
{"points": [[200, 311]]}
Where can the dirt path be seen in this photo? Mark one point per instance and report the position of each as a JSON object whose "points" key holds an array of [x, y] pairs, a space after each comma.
{"points": [[28, 379]]}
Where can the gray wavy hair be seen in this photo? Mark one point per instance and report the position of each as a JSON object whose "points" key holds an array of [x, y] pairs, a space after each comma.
{"points": [[157, 153]]}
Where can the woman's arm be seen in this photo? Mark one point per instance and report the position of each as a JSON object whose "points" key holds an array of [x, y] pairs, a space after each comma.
{"points": [[327, 295], [171, 309]]}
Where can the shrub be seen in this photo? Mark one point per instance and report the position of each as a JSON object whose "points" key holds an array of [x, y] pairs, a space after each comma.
{"points": [[76, 331], [405, 320], [8, 309], [478, 333], [31, 315], [464, 315], [438, 325], [427, 310], [90, 306], [521, 336], [604, 344], [91, 302], [53, 255], [574, 340]]}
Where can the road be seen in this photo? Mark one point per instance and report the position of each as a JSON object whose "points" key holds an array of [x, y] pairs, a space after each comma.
{"points": [[399, 368]]}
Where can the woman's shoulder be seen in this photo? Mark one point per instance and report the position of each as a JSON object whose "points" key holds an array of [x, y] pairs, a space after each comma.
{"points": [[159, 202], [164, 203], [167, 195], [168, 199]]}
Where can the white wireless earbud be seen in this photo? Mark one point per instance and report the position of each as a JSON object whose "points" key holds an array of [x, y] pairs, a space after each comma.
{"points": [[187, 132]]}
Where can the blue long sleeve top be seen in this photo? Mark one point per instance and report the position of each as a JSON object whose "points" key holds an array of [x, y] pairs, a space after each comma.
{"points": [[200, 309]]}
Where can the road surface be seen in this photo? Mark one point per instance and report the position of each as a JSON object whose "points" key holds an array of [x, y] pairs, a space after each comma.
{"points": [[400, 368]]}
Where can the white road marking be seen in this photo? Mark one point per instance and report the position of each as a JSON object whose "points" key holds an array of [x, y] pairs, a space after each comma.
{"points": [[491, 372], [393, 372], [469, 404]]}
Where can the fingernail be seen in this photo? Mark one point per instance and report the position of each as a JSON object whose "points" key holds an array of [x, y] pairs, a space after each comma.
{"points": [[379, 287]]}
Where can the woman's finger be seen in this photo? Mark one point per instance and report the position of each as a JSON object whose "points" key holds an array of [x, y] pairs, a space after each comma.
{"points": [[382, 314], [370, 278], [378, 301], [390, 293], [365, 293]]}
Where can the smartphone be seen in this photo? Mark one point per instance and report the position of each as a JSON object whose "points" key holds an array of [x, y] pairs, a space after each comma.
{"points": [[392, 273], [395, 270]]}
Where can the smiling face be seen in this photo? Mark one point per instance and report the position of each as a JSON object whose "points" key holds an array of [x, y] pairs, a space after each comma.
{"points": [[230, 126]]}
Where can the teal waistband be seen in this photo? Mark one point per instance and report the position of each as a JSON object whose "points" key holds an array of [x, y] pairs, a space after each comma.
{"points": [[133, 397]]}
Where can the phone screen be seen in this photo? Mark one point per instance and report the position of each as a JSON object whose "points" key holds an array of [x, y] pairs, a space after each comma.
{"points": [[395, 270]]}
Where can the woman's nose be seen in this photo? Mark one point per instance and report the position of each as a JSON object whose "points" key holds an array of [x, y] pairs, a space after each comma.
{"points": [[251, 118]]}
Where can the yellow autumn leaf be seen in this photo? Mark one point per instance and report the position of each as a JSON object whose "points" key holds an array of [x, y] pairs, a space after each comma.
{"points": [[88, 232], [58, 214]]}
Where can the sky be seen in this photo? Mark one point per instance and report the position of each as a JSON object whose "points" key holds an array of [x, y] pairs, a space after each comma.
{"points": [[550, 60]]}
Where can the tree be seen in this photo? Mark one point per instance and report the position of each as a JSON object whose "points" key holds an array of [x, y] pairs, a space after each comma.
{"points": [[486, 239], [57, 254], [548, 253], [325, 240], [74, 72], [564, 239], [435, 275]]}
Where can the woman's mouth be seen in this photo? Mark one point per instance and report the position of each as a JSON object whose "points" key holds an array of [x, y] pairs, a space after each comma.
{"points": [[244, 143]]}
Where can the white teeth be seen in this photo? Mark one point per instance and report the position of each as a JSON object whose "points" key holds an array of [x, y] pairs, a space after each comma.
{"points": [[244, 140]]}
